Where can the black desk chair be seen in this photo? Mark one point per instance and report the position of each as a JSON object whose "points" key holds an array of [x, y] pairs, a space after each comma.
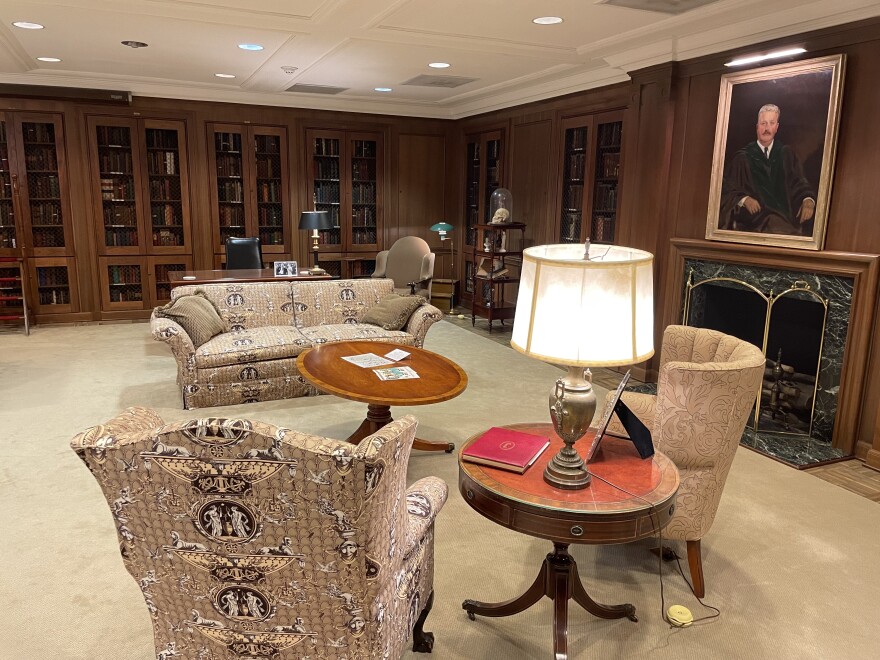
{"points": [[243, 253]]}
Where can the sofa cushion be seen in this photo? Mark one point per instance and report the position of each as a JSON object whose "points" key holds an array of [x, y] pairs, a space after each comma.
{"points": [[337, 301], [321, 334], [254, 345], [247, 305], [393, 311], [196, 314]]}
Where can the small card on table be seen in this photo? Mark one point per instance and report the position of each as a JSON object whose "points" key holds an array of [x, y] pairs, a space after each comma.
{"points": [[395, 373], [397, 355], [367, 360]]}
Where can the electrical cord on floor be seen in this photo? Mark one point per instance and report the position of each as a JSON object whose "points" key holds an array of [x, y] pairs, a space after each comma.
{"points": [[658, 530]]}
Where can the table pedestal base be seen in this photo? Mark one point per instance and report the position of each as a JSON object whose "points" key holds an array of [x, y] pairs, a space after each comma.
{"points": [[559, 581], [377, 417]]}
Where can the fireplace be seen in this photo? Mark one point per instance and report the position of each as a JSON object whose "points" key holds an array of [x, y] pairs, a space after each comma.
{"points": [[805, 312]]}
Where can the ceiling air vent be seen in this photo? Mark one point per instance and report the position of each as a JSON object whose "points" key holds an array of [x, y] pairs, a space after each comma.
{"points": [[661, 6], [303, 88], [449, 82]]}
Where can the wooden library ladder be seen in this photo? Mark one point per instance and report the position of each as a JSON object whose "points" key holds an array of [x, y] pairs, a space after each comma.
{"points": [[13, 290]]}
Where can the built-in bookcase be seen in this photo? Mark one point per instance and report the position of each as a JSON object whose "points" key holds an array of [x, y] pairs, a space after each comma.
{"points": [[251, 188]]}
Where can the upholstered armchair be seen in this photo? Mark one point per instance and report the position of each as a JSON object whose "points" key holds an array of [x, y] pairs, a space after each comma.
{"points": [[410, 263], [249, 540], [705, 393]]}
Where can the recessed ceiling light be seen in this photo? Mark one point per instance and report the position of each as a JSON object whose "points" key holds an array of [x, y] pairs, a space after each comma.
{"points": [[134, 44], [250, 46], [383, 89], [25, 25], [224, 75], [439, 65], [768, 56], [49, 59], [547, 20]]}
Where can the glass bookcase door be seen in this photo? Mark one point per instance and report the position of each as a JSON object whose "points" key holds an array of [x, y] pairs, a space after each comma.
{"points": [[123, 283], [10, 241], [364, 193], [574, 167], [327, 173], [54, 286], [43, 190], [119, 206], [472, 191], [166, 190], [270, 190], [229, 176], [607, 176], [493, 173]]}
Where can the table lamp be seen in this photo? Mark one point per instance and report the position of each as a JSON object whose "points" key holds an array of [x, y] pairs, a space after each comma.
{"points": [[315, 220], [582, 306]]}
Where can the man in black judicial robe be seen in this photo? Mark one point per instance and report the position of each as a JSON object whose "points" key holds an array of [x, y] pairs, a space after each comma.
{"points": [[764, 189]]}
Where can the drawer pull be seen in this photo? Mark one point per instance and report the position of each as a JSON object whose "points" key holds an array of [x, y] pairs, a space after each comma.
{"points": [[469, 494], [577, 530]]}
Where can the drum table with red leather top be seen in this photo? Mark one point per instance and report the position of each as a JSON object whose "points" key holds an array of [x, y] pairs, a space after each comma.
{"points": [[639, 504]]}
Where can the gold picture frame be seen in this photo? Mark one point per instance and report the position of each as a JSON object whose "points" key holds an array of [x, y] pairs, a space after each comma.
{"points": [[763, 196]]}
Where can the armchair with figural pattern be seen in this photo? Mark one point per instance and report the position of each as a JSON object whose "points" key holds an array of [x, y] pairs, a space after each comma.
{"points": [[249, 540]]}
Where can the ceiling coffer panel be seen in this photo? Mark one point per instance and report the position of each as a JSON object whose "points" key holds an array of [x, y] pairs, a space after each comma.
{"points": [[449, 82], [304, 88], [673, 7]]}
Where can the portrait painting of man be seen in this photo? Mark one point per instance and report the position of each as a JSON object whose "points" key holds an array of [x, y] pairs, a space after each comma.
{"points": [[774, 154]]}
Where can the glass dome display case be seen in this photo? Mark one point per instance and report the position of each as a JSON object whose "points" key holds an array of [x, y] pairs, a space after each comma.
{"points": [[500, 207]]}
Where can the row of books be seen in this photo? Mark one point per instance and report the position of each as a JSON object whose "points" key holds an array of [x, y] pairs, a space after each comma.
{"points": [[52, 276], [228, 165], [267, 144], [44, 185], [167, 215], [162, 162], [115, 161], [162, 138], [113, 136], [46, 213], [41, 158], [168, 237], [165, 189], [227, 142], [48, 237], [119, 188], [38, 132]]}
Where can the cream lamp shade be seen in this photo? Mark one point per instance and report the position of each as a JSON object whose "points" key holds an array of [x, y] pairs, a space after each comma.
{"points": [[579, 312]]}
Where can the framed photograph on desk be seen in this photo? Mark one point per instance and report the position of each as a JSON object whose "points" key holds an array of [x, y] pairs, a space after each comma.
{"points": [[602, 426], [283, 268]]}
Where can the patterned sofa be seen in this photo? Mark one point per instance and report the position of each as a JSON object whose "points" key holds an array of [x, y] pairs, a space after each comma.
{"points": [[254, 541], [268, 324]]}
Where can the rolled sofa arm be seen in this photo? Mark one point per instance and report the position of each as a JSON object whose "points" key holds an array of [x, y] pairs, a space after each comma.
{"points": [[422, 319], [181, 347]]}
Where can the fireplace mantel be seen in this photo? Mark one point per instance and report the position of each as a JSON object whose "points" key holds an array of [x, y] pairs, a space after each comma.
{"points": [[862, 268]]}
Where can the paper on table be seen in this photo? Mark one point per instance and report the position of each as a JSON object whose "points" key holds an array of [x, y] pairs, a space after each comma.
{"points": [[367, 360], [395, 373], [397, 355]]}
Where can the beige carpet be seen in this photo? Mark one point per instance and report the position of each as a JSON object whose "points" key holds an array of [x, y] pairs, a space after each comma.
{"points": [[791, 560]]}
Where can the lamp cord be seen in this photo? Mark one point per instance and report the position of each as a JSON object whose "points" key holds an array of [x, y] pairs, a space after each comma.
{"points": [[658, 530]]}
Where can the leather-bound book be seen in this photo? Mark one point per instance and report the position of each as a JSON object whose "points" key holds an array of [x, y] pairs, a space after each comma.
{"points": [[506, 449]]}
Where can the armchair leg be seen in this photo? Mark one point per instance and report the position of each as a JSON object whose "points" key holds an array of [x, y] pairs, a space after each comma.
{"points": [[695, 561], [423, 642]]}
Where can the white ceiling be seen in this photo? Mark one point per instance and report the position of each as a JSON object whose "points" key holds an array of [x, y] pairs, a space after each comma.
{"points": [[363, 44]]}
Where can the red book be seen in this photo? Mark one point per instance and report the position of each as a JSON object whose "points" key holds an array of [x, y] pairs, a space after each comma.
{"points": [[506, 449]]}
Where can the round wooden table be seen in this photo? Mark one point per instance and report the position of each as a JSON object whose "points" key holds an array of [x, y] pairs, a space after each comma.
{"points": [[439, 379], [598, 514]]}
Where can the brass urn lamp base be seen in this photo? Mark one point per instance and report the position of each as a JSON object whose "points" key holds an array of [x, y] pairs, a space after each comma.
{"points": [[572, 405]]}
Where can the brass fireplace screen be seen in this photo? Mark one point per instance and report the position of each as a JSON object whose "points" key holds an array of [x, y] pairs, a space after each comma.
{"points": [[789, 327]]}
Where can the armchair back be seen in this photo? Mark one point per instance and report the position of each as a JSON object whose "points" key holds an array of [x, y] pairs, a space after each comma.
{"points": [[254, 539]]}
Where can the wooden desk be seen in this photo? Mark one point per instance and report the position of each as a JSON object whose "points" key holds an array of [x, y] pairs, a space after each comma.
{"points": [[440, 380], [598, 514], [179, 277]]}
